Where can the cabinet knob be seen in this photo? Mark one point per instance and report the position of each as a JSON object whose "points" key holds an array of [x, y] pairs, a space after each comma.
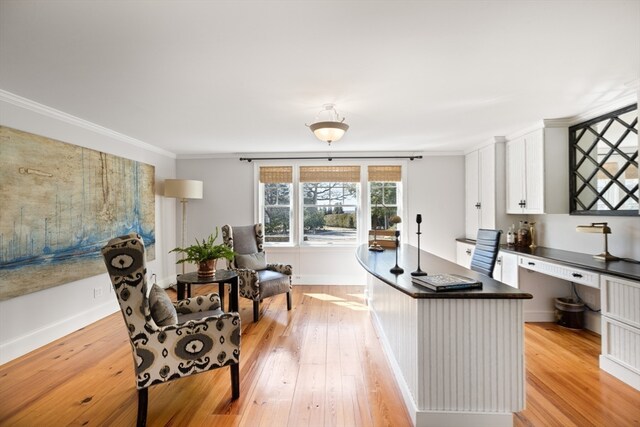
{"points": [[499, 260], [468, 251]]}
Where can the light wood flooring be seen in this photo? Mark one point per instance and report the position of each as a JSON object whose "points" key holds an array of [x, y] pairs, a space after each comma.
{"points": [[320, 364]]}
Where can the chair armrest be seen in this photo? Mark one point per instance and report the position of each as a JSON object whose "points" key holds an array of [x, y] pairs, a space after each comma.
{"points": [[248, 284], [281, 268], [179, 350], [199, 303]]}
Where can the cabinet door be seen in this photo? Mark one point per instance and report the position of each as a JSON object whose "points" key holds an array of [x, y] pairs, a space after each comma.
{"points": [[464, 253], [509, 269], [497, 268], [471, 194], [486, 172], [534, 176], [515, 159]]}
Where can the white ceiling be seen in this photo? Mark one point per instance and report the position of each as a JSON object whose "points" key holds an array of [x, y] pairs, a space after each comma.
{"points": [[245, 76]]}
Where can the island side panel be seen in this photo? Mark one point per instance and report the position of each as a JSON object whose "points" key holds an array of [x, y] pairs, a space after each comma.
{"points": [[471, 355]]}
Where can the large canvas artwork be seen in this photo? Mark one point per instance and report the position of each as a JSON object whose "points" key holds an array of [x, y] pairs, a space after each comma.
{"points": [[59, 204]]}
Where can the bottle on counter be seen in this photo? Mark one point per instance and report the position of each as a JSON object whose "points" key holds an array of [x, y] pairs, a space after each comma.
{"points": [[523, 237], [511, 236]]}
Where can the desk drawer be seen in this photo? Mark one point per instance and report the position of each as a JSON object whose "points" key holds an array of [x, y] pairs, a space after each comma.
{"points": [[621, 300], [561, 271]]}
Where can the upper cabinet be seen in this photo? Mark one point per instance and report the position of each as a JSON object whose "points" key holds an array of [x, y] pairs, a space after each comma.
{"points": [[480, 190], [485, 189], [536, 172]]}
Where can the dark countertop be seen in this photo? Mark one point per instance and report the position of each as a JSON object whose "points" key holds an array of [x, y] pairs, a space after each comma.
{"points": [[379, 263], [625, 269]]}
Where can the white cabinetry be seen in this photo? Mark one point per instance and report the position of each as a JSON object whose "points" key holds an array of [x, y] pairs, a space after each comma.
{"points": [[537, 171], [464, 253], [480, 190], [506, 269], [485, 189], [621, 329]]}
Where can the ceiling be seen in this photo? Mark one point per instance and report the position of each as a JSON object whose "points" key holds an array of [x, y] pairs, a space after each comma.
{"points": [[207, 77]]}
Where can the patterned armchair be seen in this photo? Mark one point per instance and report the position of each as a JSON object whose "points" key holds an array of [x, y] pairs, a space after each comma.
{"points": [[257, 279], [203, 338]]}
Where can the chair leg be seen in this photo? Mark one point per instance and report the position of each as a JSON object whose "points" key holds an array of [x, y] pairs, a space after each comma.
{"points": [[143, 397], [289, 301], [235, 381], [256, 310]]}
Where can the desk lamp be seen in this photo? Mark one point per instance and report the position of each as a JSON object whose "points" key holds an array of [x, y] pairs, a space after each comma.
{"points": [[601, 228]]}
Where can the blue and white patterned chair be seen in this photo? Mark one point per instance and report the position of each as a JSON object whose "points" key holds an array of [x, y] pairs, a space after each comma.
{"points": [[257, 278], [203, 338]]}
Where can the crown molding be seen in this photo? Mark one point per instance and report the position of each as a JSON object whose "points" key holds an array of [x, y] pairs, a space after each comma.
{"points": [[38, 108], [492, 141], [616, 104]]}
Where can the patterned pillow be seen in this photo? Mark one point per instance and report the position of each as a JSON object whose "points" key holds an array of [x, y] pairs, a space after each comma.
{"points": [[162, 310], [255, 261]]}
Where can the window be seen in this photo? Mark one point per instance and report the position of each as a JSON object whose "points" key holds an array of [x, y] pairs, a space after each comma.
{"points": [[276, 197], [383, 196], [327, 205], [330, 203]]}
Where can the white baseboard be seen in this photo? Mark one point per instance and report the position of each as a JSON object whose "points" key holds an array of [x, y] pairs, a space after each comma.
{"points": [[35, 339], [329, 279], [619, 371], [457, 419]]}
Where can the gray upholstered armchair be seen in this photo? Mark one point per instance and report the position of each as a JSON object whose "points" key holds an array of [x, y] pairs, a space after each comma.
{"points": [[170, 340], [258, 280]]}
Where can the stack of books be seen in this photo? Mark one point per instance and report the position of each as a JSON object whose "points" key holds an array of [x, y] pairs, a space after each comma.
{"points": [[446, 282]]}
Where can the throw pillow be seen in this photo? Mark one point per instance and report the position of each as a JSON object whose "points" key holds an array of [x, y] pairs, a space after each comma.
{"points": [[255, 261], [162, 310]]}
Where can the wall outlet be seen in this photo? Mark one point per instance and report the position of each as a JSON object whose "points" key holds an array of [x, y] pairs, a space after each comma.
{"points": [[97, 292]]}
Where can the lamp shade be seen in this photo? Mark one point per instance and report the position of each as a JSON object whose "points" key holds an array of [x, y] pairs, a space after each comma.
{"points": [[183, 188], [329, 131]]}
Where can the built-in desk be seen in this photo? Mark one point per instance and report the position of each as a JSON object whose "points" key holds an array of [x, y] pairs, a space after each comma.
{"points": [[615, 284], [458, 356]]}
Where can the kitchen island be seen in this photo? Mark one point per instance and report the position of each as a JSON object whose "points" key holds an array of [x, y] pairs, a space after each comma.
{"points": [[458, 356]]}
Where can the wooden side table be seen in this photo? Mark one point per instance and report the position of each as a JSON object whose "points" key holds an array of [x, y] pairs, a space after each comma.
{"points": [[220, 277]]}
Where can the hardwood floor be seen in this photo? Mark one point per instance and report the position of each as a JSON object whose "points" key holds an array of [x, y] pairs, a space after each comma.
{"points": [[565, 386], [320, 364]]}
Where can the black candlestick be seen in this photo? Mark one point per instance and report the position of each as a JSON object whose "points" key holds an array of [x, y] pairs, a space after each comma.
{"points": [[397, 269], [419, 272]]}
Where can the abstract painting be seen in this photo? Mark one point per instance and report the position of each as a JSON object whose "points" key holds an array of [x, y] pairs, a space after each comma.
{"points": [[59, 204]]}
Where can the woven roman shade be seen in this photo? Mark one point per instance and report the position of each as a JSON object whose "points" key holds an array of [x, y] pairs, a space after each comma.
{"points": [[385, 173], [276, 174], [329, 173]]}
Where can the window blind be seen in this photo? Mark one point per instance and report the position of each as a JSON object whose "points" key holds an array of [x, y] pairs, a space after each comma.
{"points": [[276, 174], [385, 173], [329, 173]]}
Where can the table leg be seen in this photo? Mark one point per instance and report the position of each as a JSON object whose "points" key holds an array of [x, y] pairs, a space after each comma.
{"points": [[234, 304], [181, 291], [221, 294]]}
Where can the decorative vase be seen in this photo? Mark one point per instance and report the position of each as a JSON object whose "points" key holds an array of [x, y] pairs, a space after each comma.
{"points": [[207, 268]]}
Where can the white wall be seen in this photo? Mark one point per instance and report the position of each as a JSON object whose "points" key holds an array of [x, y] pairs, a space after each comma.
{"points": [[435, 188], [32, 320]]}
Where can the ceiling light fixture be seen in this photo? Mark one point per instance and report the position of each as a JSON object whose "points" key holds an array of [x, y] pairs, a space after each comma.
{"points": [[328, 126]]}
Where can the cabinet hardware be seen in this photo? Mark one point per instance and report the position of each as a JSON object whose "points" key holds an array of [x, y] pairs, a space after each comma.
{"points": [[576, 275], [499, 261], [531, 263], [468, 251], [478, 205]]}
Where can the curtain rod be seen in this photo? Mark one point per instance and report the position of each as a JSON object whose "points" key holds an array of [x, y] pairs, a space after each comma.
{"points": [[329, 158]]}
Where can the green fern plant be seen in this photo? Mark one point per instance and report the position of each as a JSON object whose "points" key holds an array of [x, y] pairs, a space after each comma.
{"points": [[205, 250]]}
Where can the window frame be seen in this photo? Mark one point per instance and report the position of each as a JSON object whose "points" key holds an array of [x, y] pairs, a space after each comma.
{"points": [[363, 210]]}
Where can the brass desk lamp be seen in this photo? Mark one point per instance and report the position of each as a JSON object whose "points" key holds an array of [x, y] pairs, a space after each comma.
{"points": [[601, 228]]}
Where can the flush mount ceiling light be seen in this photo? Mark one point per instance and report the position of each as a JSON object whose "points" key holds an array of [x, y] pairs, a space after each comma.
{"points": [[328, 125]]}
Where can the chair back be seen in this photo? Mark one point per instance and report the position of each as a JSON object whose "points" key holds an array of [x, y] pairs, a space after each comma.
{"points": [[486, 252], [244, 239], [125, 261]]}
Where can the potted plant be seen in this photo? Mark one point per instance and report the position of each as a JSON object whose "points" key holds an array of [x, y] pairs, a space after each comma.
{"points": [[205, 254]]}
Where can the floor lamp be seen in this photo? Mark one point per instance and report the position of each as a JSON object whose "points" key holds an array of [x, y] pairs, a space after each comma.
{"points": [[183, 189]]}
